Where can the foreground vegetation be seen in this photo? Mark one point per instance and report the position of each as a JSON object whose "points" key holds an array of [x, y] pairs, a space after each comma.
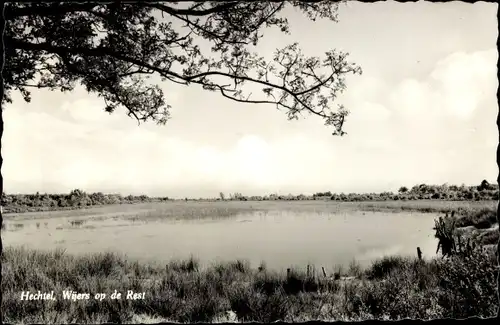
{"points": [[393, 287], [77, 199]]}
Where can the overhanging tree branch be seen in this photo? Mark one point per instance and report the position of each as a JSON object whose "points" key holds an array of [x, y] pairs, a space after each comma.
{"points": [[109, 47], [43, 10], [191, 11]]}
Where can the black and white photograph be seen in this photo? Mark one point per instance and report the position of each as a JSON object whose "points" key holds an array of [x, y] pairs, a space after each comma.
{"points": [[249, 161]]}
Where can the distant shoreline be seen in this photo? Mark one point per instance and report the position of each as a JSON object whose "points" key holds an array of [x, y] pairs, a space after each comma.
{"points": [[78, 199], [10, 210]]}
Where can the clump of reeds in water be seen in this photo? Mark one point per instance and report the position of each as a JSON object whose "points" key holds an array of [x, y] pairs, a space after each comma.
{"points": [[18, 226], [445, 233], [450, 241], [76, 223]]}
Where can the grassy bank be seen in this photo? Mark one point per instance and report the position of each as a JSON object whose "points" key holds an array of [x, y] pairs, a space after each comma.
{"points": [[480, 224], [463, 208], [392, 288]]}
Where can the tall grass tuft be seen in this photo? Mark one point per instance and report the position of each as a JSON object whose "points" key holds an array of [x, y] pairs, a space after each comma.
{"points": [[381, 268], [190, 265]]}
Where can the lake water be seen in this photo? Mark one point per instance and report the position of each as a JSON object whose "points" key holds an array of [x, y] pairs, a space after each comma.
{"points": [[279, 236]]}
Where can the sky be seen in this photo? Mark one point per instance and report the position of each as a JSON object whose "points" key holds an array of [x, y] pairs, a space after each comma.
{"points": [[423, 111]]}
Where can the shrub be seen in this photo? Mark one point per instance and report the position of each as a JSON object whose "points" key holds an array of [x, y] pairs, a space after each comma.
{"points": [[383, 267], [468, 285], [480, 219]]}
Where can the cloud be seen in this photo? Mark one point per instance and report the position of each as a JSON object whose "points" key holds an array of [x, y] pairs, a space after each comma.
{"points": [[464, 79]]}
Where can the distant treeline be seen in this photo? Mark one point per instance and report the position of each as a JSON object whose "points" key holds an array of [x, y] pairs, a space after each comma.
{"points": [[76, 199], [79, 199], [484, 191]]}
